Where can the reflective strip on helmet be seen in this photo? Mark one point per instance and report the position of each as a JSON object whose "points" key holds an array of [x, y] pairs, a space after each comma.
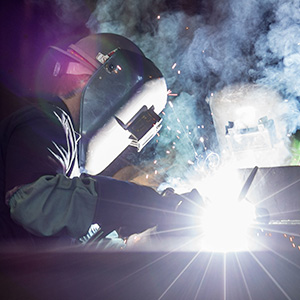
{"points": [[76, 51], [74, 56], [78, 69]]}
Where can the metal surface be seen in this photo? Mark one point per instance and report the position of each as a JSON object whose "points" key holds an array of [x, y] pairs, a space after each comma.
{"points": [[247, 184]]}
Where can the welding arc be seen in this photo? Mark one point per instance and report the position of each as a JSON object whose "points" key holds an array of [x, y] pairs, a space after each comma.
{"points": [[247, 184]]}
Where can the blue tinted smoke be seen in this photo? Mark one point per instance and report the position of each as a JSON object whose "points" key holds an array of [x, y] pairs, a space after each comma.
{"points": [[202, 50]]}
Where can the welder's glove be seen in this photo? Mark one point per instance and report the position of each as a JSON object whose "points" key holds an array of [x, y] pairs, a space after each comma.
{"points": [[187, 214], [131, 208], [187, 202]]}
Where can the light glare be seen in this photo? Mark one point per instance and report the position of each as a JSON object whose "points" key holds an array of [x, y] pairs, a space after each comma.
{"points": [[225, 225]]}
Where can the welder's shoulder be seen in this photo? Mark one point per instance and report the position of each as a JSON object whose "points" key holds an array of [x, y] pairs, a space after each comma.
{"points": [[28, 145], [30, 118], [28, 114]]}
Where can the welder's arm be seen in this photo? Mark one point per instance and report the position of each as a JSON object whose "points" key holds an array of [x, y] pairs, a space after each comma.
{"points": [[134, 208], [54, 204]]}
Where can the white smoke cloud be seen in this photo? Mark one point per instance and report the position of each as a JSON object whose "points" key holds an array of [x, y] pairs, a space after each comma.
{"points": [[279, 50], [208, 47]]}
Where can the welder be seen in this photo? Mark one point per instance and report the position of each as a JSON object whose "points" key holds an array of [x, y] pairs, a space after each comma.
{"points": [[102, 94]]}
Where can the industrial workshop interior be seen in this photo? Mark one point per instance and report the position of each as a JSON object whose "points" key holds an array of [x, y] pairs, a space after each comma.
{"points": [[150, 149]]}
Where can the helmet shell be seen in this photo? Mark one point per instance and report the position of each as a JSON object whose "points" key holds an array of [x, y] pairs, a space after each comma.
{"points": [[120, 102]]}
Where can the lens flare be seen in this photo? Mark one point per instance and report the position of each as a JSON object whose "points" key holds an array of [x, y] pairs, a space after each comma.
{"points": [[225, 220], [225, 225]]}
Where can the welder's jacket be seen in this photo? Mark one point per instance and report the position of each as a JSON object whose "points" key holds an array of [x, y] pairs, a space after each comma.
{"points": [[41, 198], [39, 145]]}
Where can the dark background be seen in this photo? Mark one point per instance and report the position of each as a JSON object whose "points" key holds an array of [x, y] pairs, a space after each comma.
{"points": [[28, 27], [24, 35]]}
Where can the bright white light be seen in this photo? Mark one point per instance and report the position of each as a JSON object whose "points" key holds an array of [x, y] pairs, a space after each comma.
{"points": [[247, 117], [225, 225], [225, 221]]}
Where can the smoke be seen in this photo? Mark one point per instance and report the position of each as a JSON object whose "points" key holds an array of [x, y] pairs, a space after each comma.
{"points": [[68, 12], [203, 48], [279, 54], [61, 21]]}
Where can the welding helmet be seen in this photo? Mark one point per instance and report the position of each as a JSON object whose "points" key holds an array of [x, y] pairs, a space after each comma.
{"points": [[121, 102]]}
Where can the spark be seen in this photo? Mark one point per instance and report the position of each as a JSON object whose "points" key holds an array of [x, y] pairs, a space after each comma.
{"points": [[278, 232], [278, 254], [169, 93]]}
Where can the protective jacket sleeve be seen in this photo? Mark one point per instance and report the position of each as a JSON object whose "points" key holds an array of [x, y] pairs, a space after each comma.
{"points": [[133, 208], [54, 205], [38, 152]]}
